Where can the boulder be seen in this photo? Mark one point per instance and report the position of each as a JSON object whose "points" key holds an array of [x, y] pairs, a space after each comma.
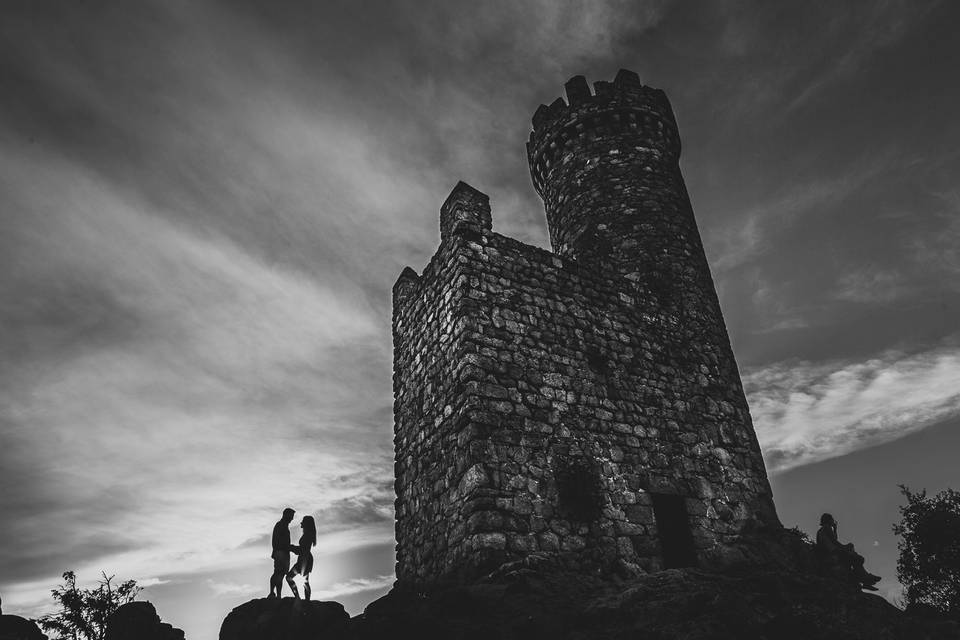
{"points": [[17, 628], [139, 621], [284, 619]]}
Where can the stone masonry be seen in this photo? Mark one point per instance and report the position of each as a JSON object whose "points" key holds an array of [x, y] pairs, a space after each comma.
{"points": [[585, 401]]}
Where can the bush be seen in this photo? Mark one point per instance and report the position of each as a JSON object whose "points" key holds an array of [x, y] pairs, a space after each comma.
{"points": [[84, 612]]}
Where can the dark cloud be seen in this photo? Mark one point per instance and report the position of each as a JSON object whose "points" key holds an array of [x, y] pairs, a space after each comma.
{"points": [[359, 510], [50, 533]]}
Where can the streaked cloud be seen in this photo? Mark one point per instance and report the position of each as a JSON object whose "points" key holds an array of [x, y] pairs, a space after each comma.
{"points": [[806, 412], [939, 249], [233, 588], [755, 231], [868, 285], [222, 379], [354, 586], [880, 25], [203, 207]]}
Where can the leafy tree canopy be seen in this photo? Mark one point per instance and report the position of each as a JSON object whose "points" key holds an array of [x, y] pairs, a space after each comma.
{"points": [[929, 564]]}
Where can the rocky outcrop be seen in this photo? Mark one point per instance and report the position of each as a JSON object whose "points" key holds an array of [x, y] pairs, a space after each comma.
{"points": [[542, 598], [139, 621], [285, 619], [536, 602], [17, 628]]}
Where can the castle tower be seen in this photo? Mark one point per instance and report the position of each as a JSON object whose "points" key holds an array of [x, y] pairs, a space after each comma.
{"points": [[607, 168], [584, 402]]}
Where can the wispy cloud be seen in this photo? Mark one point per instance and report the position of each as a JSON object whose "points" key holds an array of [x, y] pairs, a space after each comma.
{"points": [[225, 378], [871, 286], [358, 585], [232, 588], [939, 249], [145, 583], [879, 25], [753, 232], [806, 412], [831, 44]]}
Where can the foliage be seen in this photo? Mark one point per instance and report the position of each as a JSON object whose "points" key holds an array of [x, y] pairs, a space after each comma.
{"points": [[800, 534], [929, 564], [84, 612]]}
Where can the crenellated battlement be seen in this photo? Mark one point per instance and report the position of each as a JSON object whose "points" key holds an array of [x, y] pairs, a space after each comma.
{"points": [[624, 112]]}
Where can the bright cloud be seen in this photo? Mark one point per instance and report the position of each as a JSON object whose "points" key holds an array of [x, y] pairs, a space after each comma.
{"points": [[232, 388], [358, 585], [806, 412], [233, 588]]}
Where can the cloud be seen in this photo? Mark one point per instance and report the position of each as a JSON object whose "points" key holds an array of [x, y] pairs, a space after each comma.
{"points": [[144, 583], [872, 286], [754, 232], [204, 206], [828, 45], [530, 30], [805, 412], [361, 510], [879, 26], [357, 585], [220, 588], [195, 390], [939, 250]]}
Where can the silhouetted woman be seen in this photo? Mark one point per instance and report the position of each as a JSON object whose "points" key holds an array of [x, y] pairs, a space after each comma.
{"points": [[304, 557], [828, 542]]}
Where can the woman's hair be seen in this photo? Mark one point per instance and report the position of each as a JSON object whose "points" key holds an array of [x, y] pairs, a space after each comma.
{"points": [[310, 530], [826, 519]]}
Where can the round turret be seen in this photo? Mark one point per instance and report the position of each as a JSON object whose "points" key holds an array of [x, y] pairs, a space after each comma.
{"points": [[607, 167]]}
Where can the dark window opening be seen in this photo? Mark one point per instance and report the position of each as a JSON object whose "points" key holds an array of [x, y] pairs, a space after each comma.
{"points": [[578, 490], [673, 529]]}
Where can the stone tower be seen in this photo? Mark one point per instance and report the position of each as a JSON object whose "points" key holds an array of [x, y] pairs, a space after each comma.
{"points": [[584, 402]]}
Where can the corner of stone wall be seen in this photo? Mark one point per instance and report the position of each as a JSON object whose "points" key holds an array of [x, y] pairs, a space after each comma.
{"points": [[405, 286], [465, 210]]}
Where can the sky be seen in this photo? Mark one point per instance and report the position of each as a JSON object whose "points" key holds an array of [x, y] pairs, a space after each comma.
{"points": [[203, 208]]}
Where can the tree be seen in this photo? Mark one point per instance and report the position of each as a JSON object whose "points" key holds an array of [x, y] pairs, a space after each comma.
{"points": [[929, 564], [84, 612]]}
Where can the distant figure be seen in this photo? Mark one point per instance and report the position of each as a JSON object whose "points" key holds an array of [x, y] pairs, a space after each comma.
{"points": [[304, 558], [281, 552], [845, 554]]}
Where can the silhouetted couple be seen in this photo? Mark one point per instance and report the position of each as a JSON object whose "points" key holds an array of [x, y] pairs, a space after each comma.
{"points": [[282, 550], [829, 544]]}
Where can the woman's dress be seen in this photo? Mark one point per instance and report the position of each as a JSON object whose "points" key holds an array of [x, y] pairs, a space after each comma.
{"points": [[304, 557]]}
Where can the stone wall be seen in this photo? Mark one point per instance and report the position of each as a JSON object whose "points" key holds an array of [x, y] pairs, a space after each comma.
{"points": [[570, 403]]}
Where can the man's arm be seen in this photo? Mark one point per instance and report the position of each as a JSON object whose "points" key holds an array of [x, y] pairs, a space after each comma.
{"points": [[276, 541]]}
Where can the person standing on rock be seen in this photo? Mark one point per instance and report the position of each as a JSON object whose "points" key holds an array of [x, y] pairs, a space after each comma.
{"points": [[281, 552], [304, 557]]}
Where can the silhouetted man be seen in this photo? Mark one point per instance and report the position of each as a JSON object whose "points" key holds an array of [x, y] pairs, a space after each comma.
{"points": [[845, 554], [281, 552]]}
